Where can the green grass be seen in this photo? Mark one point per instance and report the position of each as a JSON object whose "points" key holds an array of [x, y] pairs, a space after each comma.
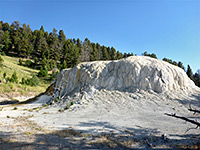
{"points": [[10, 65]]}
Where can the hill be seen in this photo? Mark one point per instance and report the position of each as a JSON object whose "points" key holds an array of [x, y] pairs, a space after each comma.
{"points": [[126, 75], [10, 90]]}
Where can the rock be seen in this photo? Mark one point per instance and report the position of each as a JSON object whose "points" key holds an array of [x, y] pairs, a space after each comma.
{"points": [[126, 75]]}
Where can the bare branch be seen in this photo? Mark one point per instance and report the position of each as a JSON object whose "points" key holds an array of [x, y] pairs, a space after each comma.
{"points": [[193, 110], [184, 118]]}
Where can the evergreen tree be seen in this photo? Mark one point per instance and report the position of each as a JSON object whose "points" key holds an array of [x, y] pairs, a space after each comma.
{"points": [[180, 64], [104, 53], [109, 53], [64, 65], [94, 54], [113, 53], [119, 55], [85, 50], [71, 53], [6, 41], [189, 72], [61, 37], [78, 43], [197, 79], [1, 62]]}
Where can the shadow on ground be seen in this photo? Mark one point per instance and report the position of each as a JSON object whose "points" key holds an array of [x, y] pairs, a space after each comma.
{"points": [[131, 138]]}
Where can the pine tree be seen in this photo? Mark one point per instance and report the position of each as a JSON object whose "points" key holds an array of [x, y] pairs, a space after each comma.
{"points": [[104, 53], [6, 41], [64, 65], [94, 54], [1, 62], [113, 53], [189, 72], [180, 64], [71, 53], [61, 37]]}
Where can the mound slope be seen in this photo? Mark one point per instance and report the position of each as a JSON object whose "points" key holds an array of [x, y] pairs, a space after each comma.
{"points": [[127, 75]]}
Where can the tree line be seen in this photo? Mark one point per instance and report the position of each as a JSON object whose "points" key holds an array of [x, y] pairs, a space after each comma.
{"points": [[47, 51], [51, 49]]}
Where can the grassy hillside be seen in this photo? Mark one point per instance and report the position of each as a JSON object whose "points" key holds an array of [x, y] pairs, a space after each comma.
{"points": [[10, 65]]}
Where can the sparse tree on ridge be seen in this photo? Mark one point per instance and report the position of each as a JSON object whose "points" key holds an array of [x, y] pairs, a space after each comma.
{"points": [[189, 72]]}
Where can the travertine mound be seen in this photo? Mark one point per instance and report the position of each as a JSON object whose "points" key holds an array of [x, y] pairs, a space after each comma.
{"points": [[127, 75]]}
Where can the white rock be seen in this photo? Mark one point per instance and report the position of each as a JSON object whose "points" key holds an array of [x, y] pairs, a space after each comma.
{"points": [[130, 74]]}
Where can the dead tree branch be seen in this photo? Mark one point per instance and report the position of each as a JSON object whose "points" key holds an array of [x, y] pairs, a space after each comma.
{"points": [[193, 110], [184, 118]]}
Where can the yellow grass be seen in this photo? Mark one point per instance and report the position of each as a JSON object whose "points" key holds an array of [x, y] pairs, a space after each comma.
{"points": [[10, 65]]}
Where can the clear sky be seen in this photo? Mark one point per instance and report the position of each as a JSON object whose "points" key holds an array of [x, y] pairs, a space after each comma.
{"points": [[168, 28]]}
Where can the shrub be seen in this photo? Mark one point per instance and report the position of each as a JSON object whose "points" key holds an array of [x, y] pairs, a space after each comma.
{"points": [[35, 60], [67, 107], [23, 81], [28, 63], [34, 81], [20, 61], [3, 54], [4, 75], [43, 72], [1, 62], [14, 78]]}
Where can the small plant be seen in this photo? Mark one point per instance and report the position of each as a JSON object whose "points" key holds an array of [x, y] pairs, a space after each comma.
{"points": [[67, 107], [20, 62], [43, 72], [4, 75], [1, 62], [8, 116], [28, 63], [14, 78], [34, 81], [72, 102], [56, 100], [1, 108], [15, 108], [60, 110]]}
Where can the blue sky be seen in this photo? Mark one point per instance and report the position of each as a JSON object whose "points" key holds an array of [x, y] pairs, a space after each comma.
{"points": [[168, 28]]}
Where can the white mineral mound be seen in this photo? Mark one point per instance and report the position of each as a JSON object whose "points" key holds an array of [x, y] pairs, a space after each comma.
{"points": [[114, 96], [126, 75]]}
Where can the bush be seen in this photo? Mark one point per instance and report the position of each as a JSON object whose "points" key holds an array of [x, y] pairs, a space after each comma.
{"points": [[43, 72], [20, 61], [1, 62], [28, 63], [4, 75], [2, 53], [34, 81], [14, 78]]}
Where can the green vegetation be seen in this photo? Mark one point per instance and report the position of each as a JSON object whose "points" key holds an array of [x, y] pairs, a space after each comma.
{"points": [[67, 107], [20, 79], [1, 62]]}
